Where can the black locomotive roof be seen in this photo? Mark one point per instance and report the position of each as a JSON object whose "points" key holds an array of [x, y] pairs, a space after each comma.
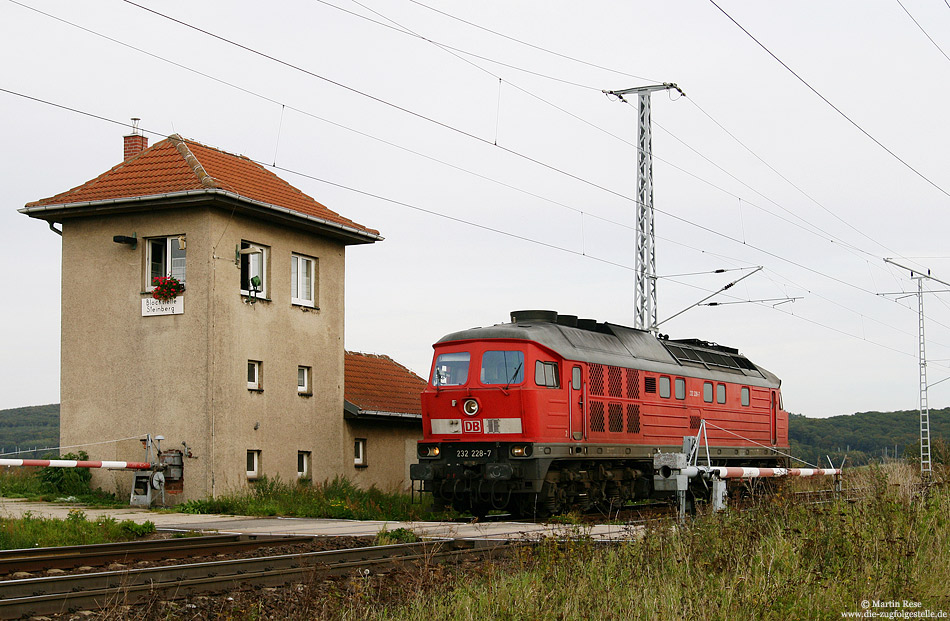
{"points": [[612, 344]]}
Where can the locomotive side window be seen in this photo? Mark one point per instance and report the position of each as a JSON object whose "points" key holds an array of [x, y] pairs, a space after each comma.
{"points": [[451, 369], [680, 388], [545, 374], [720, 393], [502, 367], [745, 396], [576, 378], [664, 387], [707, 392]]}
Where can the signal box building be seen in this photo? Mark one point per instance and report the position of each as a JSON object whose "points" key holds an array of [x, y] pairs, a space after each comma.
{"points": [[243, 371]]}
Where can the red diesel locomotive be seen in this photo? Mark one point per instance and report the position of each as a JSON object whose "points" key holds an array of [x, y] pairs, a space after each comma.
{"points": [[551, 412]]}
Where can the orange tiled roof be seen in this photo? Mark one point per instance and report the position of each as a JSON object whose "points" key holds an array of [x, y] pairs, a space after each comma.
{"points": [[377, 383], [176, 165]]}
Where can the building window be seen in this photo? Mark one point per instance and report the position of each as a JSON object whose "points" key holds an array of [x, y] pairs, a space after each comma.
{"points": [[303, 464], [745, 396], [253, 269], [545, 374], [303, 380], [720, 393], [253, 464], [254, 380], [303, 281], [664, 387], [359, 453], [680, 388], [708, 392], [165, 257]]}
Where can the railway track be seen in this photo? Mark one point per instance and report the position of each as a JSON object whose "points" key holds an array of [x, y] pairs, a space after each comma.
{"points": [[69, 557], [98, 590]]}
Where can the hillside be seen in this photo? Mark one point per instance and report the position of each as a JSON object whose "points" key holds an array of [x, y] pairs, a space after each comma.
{"points": [[31, 427], [866, 435]]}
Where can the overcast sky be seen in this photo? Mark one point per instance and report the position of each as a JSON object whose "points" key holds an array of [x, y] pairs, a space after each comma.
{"points": [[509, 130]]}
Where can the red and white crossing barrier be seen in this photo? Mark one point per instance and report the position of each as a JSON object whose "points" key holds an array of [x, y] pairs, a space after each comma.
{"points": [[71, 463], [735, 472]]}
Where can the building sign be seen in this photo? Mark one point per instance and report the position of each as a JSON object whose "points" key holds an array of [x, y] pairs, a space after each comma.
{"points": [[153, 308]]}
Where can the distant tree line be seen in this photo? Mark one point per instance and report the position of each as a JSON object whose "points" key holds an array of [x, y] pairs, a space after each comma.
{"points": [[27, 428], [867, 436]]}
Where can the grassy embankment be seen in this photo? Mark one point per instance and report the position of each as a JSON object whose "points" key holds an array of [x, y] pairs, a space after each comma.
{"points": [[338, 498], [782, 559]]}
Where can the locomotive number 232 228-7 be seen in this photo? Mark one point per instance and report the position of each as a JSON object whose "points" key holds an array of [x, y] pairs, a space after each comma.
{"points": [[473, 453]]}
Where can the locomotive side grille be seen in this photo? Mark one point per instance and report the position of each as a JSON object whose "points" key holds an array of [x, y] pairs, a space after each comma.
{"points": [[649, 384], [615, 417], [597, 379], [633, 418], [694, 422], [633, 384], [615, 381], [596, 416]]}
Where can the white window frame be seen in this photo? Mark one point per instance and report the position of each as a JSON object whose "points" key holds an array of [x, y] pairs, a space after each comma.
{"points": [[254, 459], [249, 258], [255, 381], [359, 452], [307, 461], [297, 292], [307, 374], [167, 266]]}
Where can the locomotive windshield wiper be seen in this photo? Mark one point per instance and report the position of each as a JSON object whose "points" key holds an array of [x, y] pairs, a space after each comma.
{"points": [[514, 375]]}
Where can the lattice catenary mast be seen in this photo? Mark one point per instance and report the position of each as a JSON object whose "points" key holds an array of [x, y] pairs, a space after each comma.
{"points": [[644, 297], [926, 468]]}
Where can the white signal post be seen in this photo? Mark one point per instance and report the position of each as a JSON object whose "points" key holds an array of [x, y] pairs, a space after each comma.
{"points": [[926, 467], [644, 297]]}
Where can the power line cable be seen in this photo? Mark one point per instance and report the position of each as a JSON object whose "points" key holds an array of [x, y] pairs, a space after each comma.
{"points": [[617, 71], [707, 229], [806, 226], [452, 128], [833, 107], [531, 45], [395, 201], [931, 39]]}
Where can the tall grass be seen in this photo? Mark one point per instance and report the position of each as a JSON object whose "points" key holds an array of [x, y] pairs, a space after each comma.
{"points": [[32, 531], [338, 498], [781, 559]]}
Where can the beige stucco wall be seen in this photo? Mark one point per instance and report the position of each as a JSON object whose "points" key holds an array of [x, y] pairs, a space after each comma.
{"points": [[184, 376], [390, 448]]}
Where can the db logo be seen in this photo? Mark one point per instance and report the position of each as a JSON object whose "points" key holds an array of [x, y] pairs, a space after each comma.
{"points": [[472, 426]]}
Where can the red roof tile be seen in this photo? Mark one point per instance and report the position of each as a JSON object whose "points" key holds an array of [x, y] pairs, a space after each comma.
{"points": [[177, 165], [377, 383]]}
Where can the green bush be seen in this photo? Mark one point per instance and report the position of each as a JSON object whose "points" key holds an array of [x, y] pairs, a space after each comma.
{"points": [[67, 481]]}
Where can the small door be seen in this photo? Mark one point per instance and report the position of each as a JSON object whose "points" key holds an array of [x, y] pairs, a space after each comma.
{"points": [[577, 403], [773, 419]]}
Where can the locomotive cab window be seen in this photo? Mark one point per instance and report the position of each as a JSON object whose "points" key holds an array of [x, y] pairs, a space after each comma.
{"points": [[451, 369], [680, 388], [545, 374], [664, 387], [708, 392], [576, 379], [720, 393], [745, 396], [502, 367]]}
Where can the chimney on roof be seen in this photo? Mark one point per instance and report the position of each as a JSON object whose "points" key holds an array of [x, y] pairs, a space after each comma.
{"points": [[134, 143]]}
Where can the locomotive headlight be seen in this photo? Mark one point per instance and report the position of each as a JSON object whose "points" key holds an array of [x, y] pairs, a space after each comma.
{"points": [[470, 407], [428, 451], [521, 450]]}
